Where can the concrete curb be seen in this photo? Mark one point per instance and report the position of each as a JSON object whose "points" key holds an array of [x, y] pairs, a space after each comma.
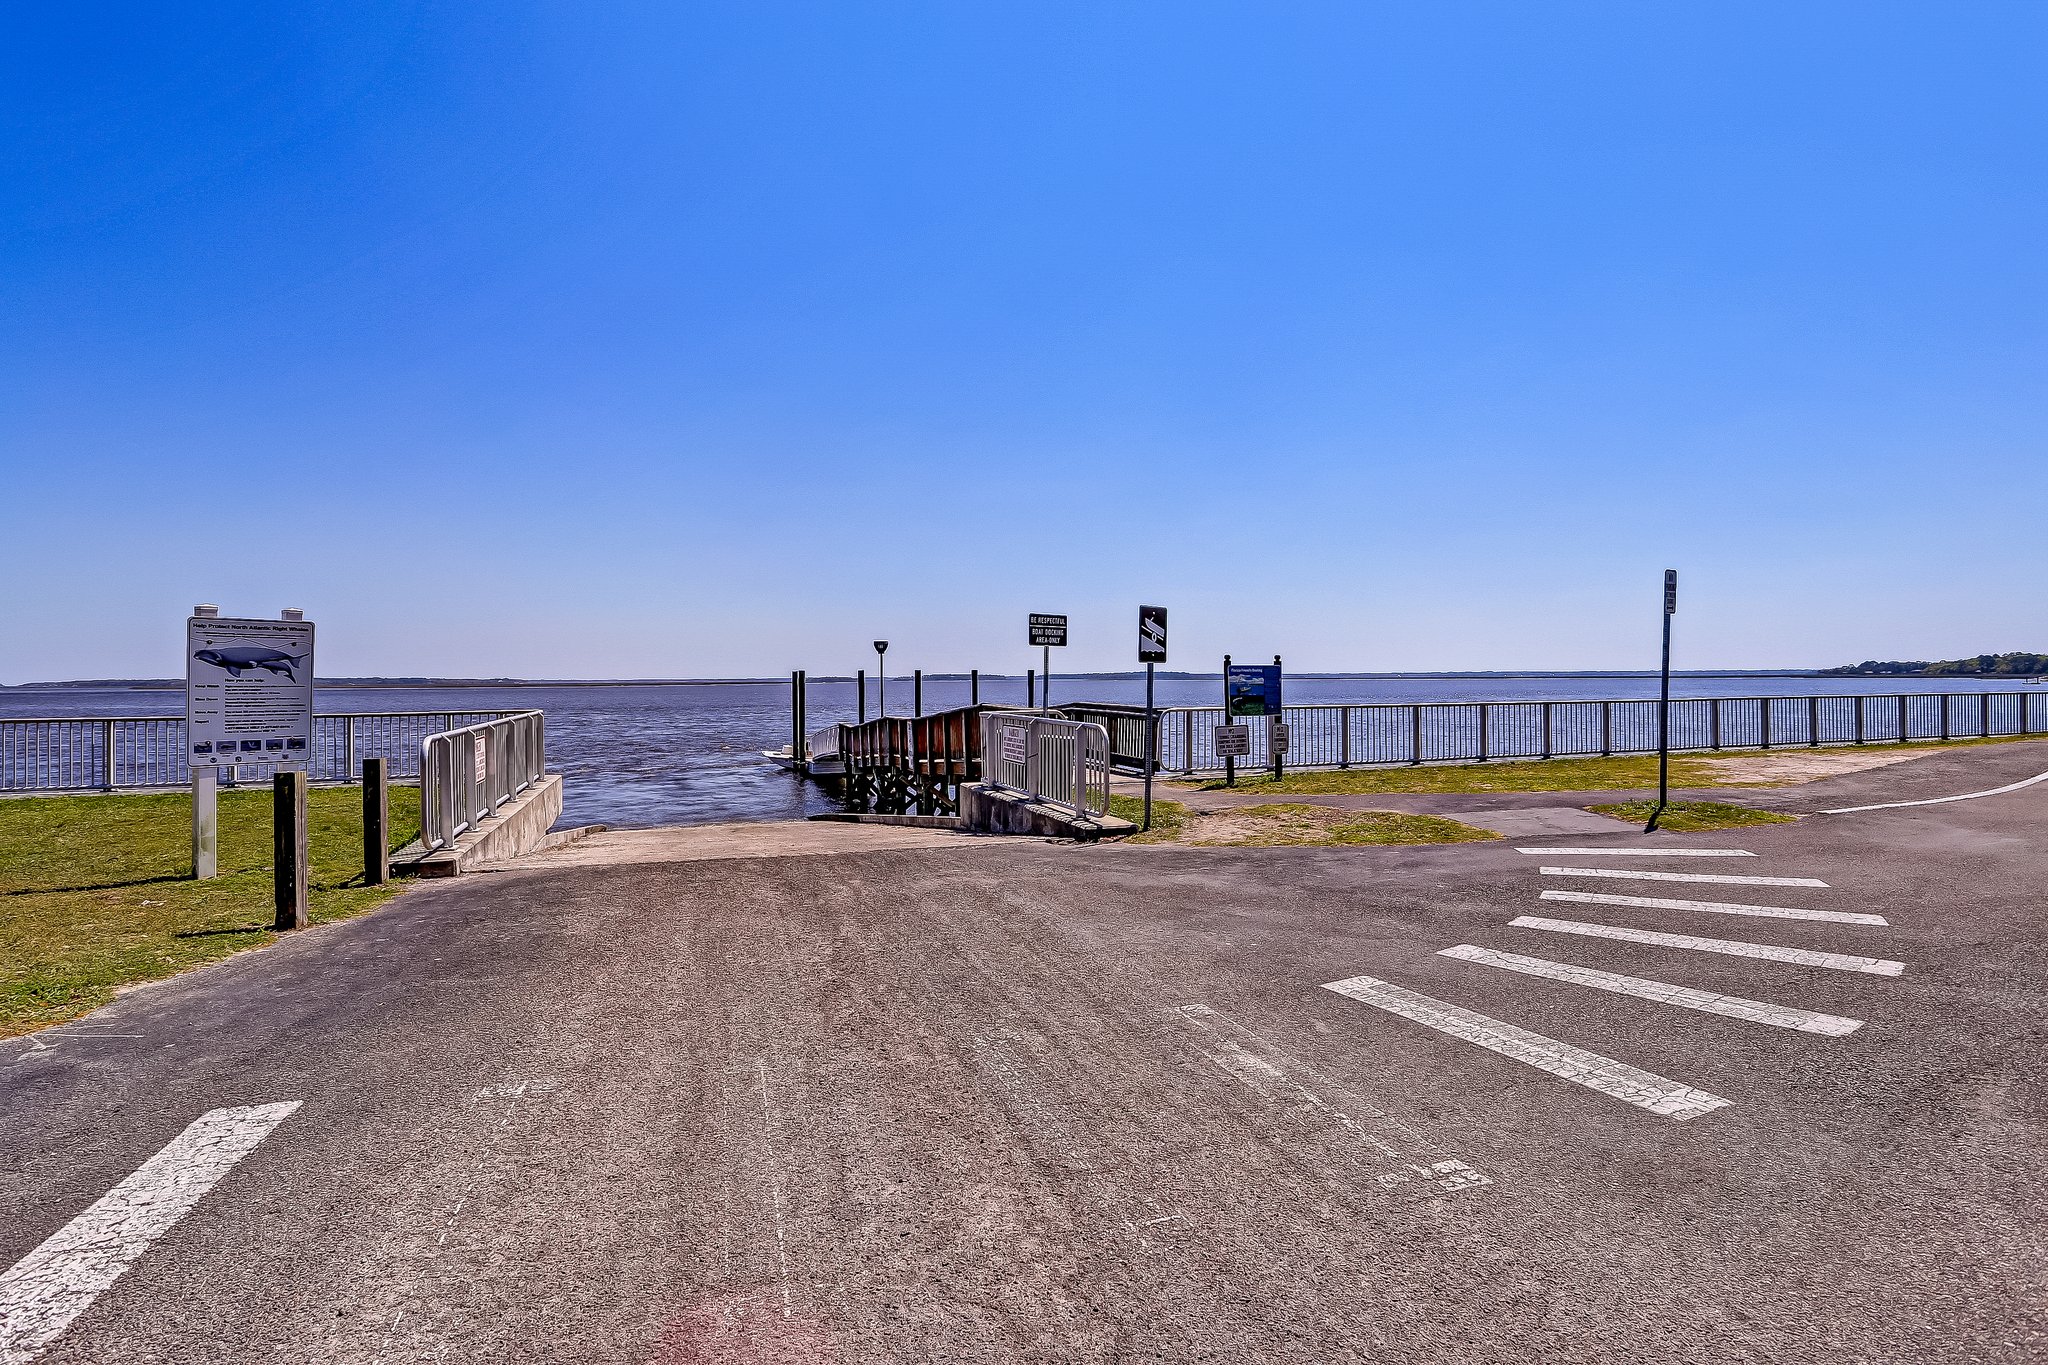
{"points": [[520, 827]]}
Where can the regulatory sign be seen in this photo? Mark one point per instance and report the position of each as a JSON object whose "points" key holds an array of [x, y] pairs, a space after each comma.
{"points": [[1151, 635], [483, 766], [1670, 592], [248, 692], [1253, 689], [1048, 630], [1276, 737], [1015, 739], [1233, 741]]}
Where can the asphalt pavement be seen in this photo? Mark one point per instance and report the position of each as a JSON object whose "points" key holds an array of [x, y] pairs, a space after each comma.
{"points": [[975, 1099]]}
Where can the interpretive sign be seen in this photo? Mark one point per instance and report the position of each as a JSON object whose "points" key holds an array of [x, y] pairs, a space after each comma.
{"points": [[1048, 630], [1253, 689], [1233, 741], [1015, 740], [1151, 635], [248, 692]]}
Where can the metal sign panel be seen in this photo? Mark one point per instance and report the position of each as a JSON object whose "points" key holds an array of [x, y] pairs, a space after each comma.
{"points": [[483, 767], [1048, 630], [1233, 741], [1670, 592], [1151, 635], [1016, 738], [1276, 737], [248, 692], [1253, 689]]}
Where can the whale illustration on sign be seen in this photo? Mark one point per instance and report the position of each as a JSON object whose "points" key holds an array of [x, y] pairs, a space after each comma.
{"points": [[238, 661]]}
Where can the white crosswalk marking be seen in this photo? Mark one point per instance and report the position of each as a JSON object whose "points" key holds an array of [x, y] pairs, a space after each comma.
{"points": [[1717, 907], [1841, 962], [1642, 1089], [1663, 992], [1638, 875], [1639, 852], [46, 1289]]}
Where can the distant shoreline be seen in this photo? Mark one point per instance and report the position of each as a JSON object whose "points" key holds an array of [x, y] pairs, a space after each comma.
{"points": [[427, 684]]}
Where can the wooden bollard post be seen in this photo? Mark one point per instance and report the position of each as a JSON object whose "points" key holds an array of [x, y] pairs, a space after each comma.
{"points": [[376, 821], [288, 848]]}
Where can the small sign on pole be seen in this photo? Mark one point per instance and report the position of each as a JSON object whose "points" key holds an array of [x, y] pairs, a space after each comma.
{"points": [[1048, 630], [1276, 736], [1151, 651], [1151, 635], [1233, 741]]}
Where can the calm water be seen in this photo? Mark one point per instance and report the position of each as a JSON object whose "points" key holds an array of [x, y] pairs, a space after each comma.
{"points": [[691, 754]]}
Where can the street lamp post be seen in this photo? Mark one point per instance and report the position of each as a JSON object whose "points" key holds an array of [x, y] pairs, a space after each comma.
{"points": [[881, 679], [1664, 705]]}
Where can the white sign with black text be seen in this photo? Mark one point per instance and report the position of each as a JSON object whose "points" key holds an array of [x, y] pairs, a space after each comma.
{"points": [[1015, 744], [248, 692], [1233, 741]]}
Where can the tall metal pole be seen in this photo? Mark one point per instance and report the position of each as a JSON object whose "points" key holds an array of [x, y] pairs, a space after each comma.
{"points": [[1229, 763], [1277, 720], [1664, 705], [860, 684], [1047, 689], [1151, 743], [881, 679]]}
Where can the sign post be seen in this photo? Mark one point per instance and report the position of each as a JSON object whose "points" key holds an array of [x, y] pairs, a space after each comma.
{"points": [[1151, 652], [1047, 630], [1664, 705], [1276, 728], [1252, 690], [248, 699]]}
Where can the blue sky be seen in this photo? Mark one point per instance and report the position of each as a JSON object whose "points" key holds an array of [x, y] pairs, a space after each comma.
{"points": [[719, 339]]}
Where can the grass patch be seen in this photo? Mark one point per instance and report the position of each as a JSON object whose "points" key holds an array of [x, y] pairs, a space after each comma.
{"points": [[1292, 825], [1718, 768], [96, 891], [1682, 816], [1169, 818], [1536, 775]]}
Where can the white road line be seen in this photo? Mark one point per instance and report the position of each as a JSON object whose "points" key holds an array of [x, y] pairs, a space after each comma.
{"points": [[1638, 875], [1841, 962], [57, 1281], [1938, 800], [1641, 852], [1717, 907], [1604, 1074], [1663, 992]]}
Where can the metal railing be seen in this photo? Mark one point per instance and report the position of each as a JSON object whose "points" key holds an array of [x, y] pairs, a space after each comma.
{"points": [[1049, 757], [1344, 736], [107, 753], [466, 774]]}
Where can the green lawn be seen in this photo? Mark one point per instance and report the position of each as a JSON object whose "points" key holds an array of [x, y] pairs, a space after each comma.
{"points": [[1682, 816], [96, 891]]}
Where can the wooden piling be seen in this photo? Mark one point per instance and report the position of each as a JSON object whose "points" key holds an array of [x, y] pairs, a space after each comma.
{"points": [[288, 850], [376, 821]]}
